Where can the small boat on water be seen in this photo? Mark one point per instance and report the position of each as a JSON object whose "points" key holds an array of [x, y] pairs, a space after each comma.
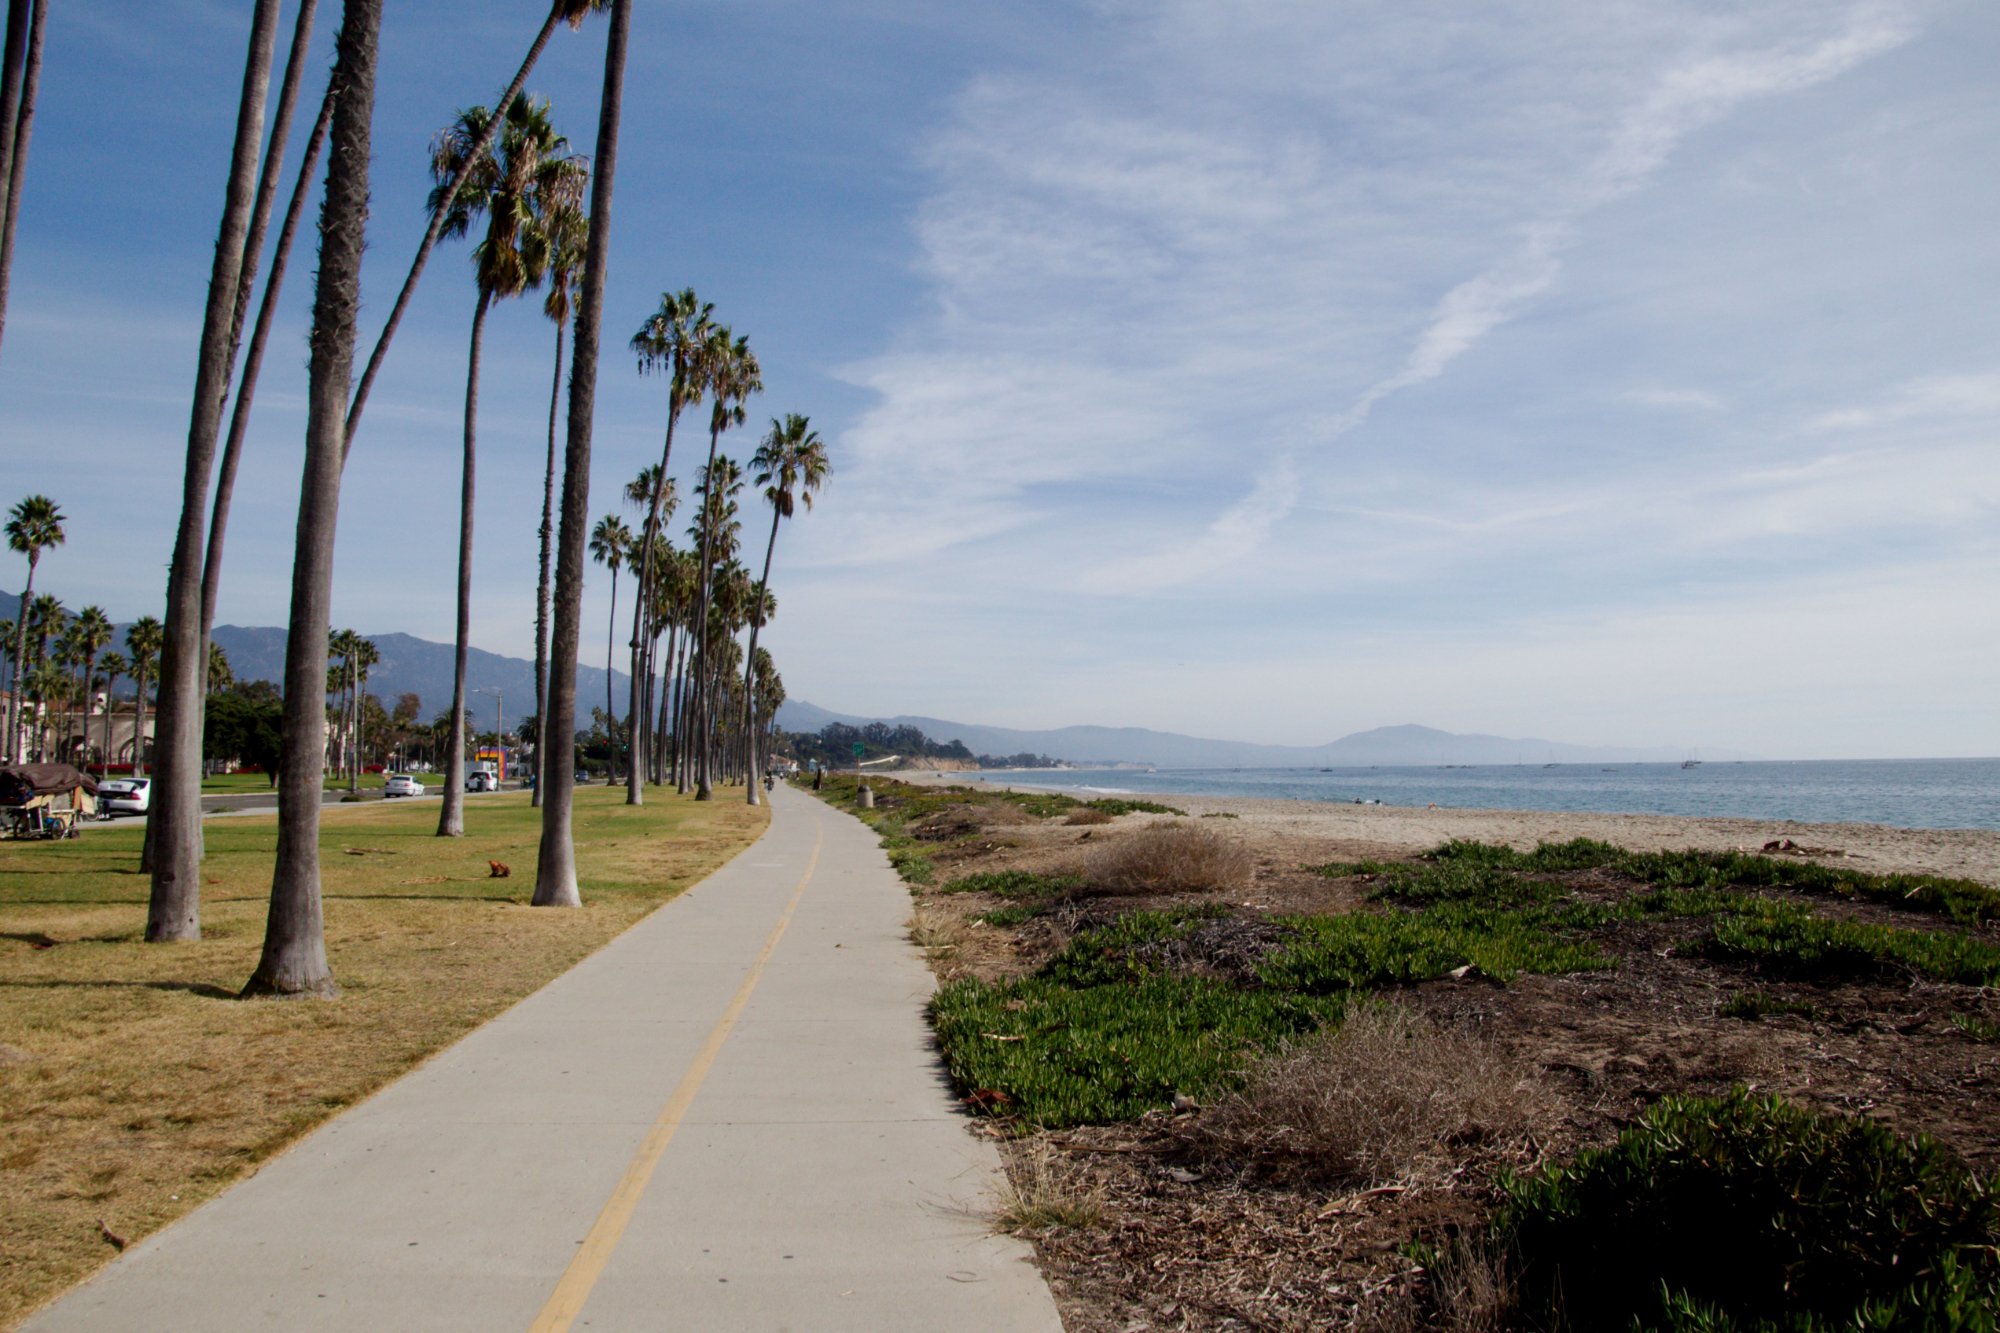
{"points": [[1690, 763]]}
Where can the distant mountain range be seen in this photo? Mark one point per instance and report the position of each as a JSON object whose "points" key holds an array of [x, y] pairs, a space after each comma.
{"points": [[408, 664], [1408, 744], [416, 665]]}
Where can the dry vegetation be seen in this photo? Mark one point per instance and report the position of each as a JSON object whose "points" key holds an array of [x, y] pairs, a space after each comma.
{"points": [[134, 1086], [1237, 1084], [1169, 858]]}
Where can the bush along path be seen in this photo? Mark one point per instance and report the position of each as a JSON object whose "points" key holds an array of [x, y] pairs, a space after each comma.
{"points": [[1245, 1086]]}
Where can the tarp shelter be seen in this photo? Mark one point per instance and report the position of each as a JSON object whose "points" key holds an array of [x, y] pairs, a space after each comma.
{"points": [[46, 793]]}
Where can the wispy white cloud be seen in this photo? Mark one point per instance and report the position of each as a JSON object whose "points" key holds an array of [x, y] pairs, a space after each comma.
{"points": [[1933, 396]]}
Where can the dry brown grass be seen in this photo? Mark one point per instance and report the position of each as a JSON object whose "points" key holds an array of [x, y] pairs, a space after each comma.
{"points": [[1043, 1191], [1170, 858], [1086, 815], [939, 930], [141, 1087], [1389, 1097]]}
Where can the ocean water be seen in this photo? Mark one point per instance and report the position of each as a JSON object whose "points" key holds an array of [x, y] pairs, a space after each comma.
{"points": [[1909, 793]]}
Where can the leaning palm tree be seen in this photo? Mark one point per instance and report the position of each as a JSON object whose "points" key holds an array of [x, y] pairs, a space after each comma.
{"points": [[564, 232], [173, 817], [293, 961], [572, 12], [23, 73], [672, 342], [555, 859], [610, 544], [515, 178], [142, 640], [791, 466], [33, 525]]}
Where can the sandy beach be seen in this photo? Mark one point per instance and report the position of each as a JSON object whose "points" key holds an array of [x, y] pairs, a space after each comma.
{"points": [[1356, 831]]}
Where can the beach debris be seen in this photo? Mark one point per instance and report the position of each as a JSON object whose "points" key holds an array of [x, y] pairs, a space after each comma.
{"points": [[1786, 847]]}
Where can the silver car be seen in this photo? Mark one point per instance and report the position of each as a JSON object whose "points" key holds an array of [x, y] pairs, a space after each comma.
{"points": [[401, 784]]}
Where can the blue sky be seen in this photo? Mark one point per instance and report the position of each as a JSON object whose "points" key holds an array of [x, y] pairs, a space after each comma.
{"points": [[1607, 372]]}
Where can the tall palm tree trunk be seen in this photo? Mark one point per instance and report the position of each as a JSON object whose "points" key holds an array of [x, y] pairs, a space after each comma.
{"points": [[542, 589], [610, 653], [13, 57], [555, 863], [451, 820], [448, 191], [750, 658], [294, 955], [633, 794], [253, 365], [20, 662], [173, 820], [709, 522], [139, 727], [17, 159]]}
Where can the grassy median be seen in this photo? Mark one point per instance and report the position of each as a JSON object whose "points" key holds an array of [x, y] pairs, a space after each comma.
{"points": [[134, 1085]]}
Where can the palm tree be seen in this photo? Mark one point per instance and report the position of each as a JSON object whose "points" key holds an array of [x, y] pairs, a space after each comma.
{"points": [[219, 675], [92, 632], [670, 342], [572, 12], [610, 543], [733, 375], [529, 172], [173, 818], [650, 489], [33, 525], [260, 218], [555, 860], [791, 466], [142, 640], [114, 666], [565, 232], [293, 961], [17, 123], [715, 531]]}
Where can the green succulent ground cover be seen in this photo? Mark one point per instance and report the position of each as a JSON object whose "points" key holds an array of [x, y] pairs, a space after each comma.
{"points": [[1745, 1213], [1737, 1214]]}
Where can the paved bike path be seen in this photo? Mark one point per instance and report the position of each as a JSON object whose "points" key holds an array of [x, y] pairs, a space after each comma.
{"points": [[731, 1117]]}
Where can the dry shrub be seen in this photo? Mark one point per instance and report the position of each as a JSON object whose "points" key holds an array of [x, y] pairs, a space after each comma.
{"points": [[966, 818], [940, 933], [1043, 1190], [1389, 1097], [1084, 814], [1466, 1288], [1170, 858]]}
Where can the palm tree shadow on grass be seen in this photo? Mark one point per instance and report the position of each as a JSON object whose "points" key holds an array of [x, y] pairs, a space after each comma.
{"points": [[201, 988]]}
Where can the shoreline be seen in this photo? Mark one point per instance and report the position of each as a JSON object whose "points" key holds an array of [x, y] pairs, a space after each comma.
{"points": [[1358, 831]]}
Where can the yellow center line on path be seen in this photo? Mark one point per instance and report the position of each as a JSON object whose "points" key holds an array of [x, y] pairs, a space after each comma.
{"points": [[566, 1303]]}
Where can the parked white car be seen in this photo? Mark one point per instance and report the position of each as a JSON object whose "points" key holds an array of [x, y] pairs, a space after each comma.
{"points": [[401, 784], [481, 781], [124, 796]]}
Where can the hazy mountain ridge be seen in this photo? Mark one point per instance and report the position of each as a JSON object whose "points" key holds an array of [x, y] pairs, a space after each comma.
{"points": [[408, 664], [412, 664], [1406, 744]]}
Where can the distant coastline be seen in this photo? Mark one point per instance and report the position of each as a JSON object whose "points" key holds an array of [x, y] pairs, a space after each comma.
{"points": [[1899, 793]]}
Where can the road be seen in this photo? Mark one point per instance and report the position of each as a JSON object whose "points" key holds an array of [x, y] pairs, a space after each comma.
{"points": [[731, 1117]]}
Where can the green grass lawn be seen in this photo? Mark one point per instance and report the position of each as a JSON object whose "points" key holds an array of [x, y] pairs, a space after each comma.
{"points": [[133, 1085]]}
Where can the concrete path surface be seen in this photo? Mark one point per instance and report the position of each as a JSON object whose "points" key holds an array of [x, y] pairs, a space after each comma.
{"points": [[729, 1118]]}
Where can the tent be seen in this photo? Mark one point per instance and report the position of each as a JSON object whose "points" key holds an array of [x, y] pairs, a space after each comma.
{"points": [[46, 800]]}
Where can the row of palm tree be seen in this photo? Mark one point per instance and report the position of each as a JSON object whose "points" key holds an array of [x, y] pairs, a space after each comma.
{"points": [[343, 127], [528, 187], [700, 360], [56, 662]]}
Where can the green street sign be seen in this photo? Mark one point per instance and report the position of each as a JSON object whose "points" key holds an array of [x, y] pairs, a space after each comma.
{"points": [[859, 749]]}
